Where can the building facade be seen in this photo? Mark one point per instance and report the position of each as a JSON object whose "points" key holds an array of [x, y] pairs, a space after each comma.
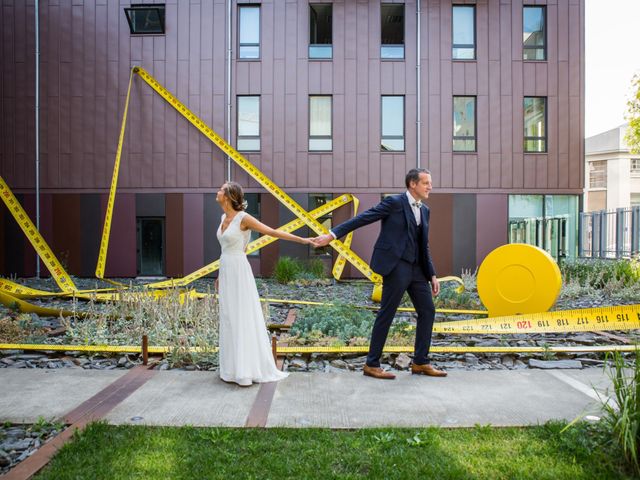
{"points": [[326, 97], [612, 172]]}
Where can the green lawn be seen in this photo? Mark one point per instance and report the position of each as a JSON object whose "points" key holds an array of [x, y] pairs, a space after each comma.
{"points": [[123, 452]]}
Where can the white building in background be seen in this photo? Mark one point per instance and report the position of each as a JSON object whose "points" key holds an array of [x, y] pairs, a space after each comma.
{"points": [[612, 172]]}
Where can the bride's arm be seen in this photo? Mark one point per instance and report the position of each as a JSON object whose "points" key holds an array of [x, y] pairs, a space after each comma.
{"points": [[250, 223]]}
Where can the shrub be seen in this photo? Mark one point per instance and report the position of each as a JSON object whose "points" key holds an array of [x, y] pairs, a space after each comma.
{"points": [[598, 273], [315, 267], [340, 320], [622, 418], [287, 269], [172, 319]]}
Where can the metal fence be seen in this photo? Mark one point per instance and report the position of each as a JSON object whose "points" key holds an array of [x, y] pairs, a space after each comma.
{"points": [[549, 233], [610, 234]]}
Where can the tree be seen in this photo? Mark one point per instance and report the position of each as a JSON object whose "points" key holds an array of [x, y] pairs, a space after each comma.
{"points": [[633, 116]]}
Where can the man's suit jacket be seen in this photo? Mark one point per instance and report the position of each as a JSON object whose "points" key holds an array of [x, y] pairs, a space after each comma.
{"points": [[396, 215]]}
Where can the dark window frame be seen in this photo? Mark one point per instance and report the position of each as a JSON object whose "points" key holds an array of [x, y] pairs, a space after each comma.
{"points": [[404, 34], [455, 137], [311, 45], [318, 137], [475, 35], [160, 9], [531, 138], [544, 37], [259, 44], [404, 126], [249, 137]]}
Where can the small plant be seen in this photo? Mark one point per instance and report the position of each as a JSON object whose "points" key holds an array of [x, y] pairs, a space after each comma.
{"points": [[547, 354], [598, 273], [292, 270], [287, 269], [173, 318], [623, 417], [340, 320], [469, 280]]}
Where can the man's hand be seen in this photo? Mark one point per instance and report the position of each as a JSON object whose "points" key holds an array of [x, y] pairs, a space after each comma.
{"points": [[435, 286], [323, 240]]}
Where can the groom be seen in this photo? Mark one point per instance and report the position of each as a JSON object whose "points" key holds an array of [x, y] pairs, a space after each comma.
{"points": [[401, 256]]}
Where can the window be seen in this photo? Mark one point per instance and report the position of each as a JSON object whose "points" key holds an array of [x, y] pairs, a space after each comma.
{"points": [[392, 30], [464, 124], [248, 123], [464, 32], [534, 33], [635, 167], [249, 31], [635, 199], [145, 18], [547, 221], [392, 123], [598, 174], [320, 124], [535, 120], [320, 35], [253, 209], [316, 200]]}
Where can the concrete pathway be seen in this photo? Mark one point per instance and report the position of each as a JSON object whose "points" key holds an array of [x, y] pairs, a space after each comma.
{"points": [[334, 400]]}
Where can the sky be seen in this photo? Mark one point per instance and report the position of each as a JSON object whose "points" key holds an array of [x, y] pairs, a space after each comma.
{"points": [[612, 47]]}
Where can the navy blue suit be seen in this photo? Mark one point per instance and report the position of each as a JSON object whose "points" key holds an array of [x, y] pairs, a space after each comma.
{"points": [[401, 255]]}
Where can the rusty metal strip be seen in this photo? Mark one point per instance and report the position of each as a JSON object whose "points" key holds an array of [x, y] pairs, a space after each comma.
{"points": [[93, 409], [259, 413]]}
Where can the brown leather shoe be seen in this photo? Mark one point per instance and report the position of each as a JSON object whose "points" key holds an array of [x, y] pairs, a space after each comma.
{"points": [[377, 372], [427, 370]]}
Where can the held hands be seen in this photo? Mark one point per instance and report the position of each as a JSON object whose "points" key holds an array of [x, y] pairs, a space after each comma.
{"points": [[322, 240]]}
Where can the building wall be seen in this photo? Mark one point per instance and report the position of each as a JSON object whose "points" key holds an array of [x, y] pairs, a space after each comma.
{"points": [[86, 56]]}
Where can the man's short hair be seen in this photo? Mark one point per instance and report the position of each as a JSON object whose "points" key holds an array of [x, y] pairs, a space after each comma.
{"points": [[413, 175]]}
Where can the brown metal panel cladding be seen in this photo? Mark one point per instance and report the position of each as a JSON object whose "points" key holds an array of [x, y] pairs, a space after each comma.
{"points": [[46, 225], [459, 170], [14, 244], [563, 32], [552, 143], [193, 231], [507, 119], [91, 227], [174, 222], [491, 223], [505, 48], [29, 258], [4, 240], [530, 166], [575, 180], [67, 232], [269, 208], [529, 79], [121, 259], [440, 232], [482, 141]]}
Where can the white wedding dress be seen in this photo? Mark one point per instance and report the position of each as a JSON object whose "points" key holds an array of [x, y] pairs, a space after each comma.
{"points": [[245, 348]]}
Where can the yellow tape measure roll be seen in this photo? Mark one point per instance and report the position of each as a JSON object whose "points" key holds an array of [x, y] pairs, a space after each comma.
{"points": [[518, 278]]}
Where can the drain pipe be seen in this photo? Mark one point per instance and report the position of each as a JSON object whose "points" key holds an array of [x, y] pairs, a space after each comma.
{"points": [[418, 116], [37, 129], [229, 2]]}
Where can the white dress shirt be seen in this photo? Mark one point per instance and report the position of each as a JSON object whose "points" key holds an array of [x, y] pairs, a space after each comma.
{"points": [[414, 208]]}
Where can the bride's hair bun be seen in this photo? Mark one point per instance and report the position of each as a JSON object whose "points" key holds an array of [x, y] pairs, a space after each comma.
{"points": [[236, 196]]}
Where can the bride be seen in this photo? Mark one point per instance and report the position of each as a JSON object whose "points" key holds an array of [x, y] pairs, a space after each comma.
{"points": [[245, 349]]}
